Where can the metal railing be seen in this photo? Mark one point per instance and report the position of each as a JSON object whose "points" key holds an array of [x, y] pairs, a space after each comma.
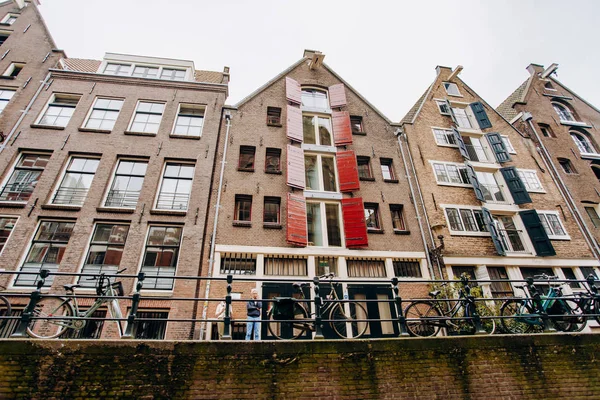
{"points": [[17, 192], [172, 201], [122, 198], [70, 196]]}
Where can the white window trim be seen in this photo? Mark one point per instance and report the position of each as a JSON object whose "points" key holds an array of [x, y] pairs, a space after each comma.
{"points": [[62, 176], [327, 111], [462, 233], [17, 217], [51, 100], [542, 190], [191, 105], [320, 173], [506, 141], [12, 67], [566, 236], [450, 94], [433, 128], [160, 183], [135, 112], [324, 225], [502, 186], [188, 75], [14, 165], [7, 17], [89, 113], [445, 163], [437, 101], [160, 292], [114, 175]]}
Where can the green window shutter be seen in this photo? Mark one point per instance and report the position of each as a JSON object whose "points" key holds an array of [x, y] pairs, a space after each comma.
{"points": [[474, 181], [515, 185], [498, 147], [537, 233], [489, 222], [462, 147], [481, 115]]}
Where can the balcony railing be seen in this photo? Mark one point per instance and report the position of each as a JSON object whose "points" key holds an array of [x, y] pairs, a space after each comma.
{"points": [[70, 196], [122, 198], [17, 192], [478, 153], [173, 201], [512, 241], [492, 193]]}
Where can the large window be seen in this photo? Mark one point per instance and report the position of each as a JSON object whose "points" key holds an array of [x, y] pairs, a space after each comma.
{"points": [[105, 251], [492, 192], [46, 251], [314, 99], [530, 180], [317, 130], [160, 256], [5, 96], [583, 143], [451, 173], [462, 119], [147, 117], [7, 224], [465, 220], [24, 177], [76, 181], [176, 187], [320, 172], [127, 184], [444, 137], [104, 114], [552, 225], [510, 236], [564, 113], [59, 110], [323, 220], [190, 120]]}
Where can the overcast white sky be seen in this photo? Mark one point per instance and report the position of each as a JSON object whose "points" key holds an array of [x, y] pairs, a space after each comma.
{"points": [[387, 50]]}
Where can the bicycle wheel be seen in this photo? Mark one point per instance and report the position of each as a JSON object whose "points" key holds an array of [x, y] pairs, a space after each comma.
{"points": [[596, 310], [5, 311], [518, 317], [47, 323], [488, 324], [346, 326], [566, 316], [422, 319], [288, 330]]}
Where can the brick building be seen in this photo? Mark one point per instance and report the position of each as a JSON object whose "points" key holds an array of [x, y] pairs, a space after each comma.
{"points": [[565, 128], [109, 169], [307, 160], [487, 191]]}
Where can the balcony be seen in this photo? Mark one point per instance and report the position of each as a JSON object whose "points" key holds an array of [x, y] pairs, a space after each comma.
{"points": [[122, 198], [512, 241], [173, 201], [17, 192], [493, 194], [478, 153], [70, 196]]}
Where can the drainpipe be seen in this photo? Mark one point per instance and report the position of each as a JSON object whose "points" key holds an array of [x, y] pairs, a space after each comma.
{"points": [[24, 113], [527, 117], [213, 240], [400, 135]]}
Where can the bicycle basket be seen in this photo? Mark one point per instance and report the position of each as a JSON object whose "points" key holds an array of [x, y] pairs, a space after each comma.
{"points": [[283, 308]]}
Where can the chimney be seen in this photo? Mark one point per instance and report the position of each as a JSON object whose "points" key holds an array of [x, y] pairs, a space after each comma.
{"points": [[316, 58], [441, 69], [535, 68]]}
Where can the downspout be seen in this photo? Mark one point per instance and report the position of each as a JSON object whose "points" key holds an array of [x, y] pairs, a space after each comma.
{"points": [[213, 239], [24, 113], [563, 188], [401, 134]]}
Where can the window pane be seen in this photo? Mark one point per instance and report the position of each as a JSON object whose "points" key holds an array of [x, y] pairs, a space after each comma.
{"points": [[325, 132], [308, 126], [313, 219], [312, 175], [333, 225], [454, 219], [329, 180]]}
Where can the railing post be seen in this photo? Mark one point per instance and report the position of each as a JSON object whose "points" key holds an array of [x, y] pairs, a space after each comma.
{"points": [[227, 319], [34, 298], [535, 295], [318, 304], [135, 302], [399, 313], [472, 307]]}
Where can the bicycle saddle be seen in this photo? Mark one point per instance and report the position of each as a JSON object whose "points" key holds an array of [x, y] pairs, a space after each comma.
{"points": [[299, 285], [434, 293], [70, 287]]}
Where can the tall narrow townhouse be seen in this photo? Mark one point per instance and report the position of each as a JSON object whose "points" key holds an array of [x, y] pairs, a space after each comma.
{"points": [[313, 183], [565, 128], [490, 200], [111, 170]]}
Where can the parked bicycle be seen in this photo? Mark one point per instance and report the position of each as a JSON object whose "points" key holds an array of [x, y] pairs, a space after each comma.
{"points": [[53, 316], [5, 311], [289, 316], [427, 317], [525, 316], [588, 304]]}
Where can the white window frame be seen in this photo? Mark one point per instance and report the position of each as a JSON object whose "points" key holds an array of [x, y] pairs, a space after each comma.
{"points": [[4, 102], [12, 67], [463, 232], [319, 167], [160, 68], [446, 164], [580, 146], [441, 103], [499, 182], [143, 254], [135, 111], [552, 235], [134, 66], [522, 172], [114, 175], [8, 17], [326, 110], [449, 131], [17, 218], [324, 233], [14, 166], [59, 181], [507, 143], [317, 137], [162, 71], [454, 85], [161, 181], [91, 110], [51, 101], [194, 106], [131, 67]]}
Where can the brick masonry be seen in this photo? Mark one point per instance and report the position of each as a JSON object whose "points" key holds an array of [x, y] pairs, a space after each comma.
{"points": [[497, 367]]}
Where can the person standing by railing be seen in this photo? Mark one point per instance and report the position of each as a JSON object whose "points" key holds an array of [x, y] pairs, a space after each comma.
{"points": [[254, 308], [220, 314]]}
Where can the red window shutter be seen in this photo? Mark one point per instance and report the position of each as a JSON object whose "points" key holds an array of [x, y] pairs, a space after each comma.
{"points": [[355, 228], [296, 220], [295, 167], [292, 91], [342, 132], [337, 95], [347, 171], [294, 124]]}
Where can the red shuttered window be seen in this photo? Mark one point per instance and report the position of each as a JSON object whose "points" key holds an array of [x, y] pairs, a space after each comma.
{"points": [[294, 124], [337, 95], [355, 228], [342, 131], [292, 91], [295, 167], [296, 220], [347, 171]]}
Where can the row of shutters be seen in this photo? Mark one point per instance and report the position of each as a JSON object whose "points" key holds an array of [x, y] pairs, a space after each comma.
{"points": [[530, 218], [355, 228]]}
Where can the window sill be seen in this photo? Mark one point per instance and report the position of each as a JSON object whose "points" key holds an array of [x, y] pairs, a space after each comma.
{"points": [[275, 125], [576, 123], [185, 137], [245, 169], [360, 133], [272, 225], [60, 207], [243, 224], [83, 129], [56, 128], [10, 78], [168, 212], [116, 210], [139, 133], [273, 172], [13, 204], [376, 231], [367, 179], [391, 180], [397, 232]]}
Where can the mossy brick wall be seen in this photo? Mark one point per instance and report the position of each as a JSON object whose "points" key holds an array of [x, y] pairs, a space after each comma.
{"points": [[499, 367]]}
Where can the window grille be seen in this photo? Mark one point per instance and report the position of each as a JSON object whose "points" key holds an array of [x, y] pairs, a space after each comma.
{"points": [[407, 268], [11, 325], [326, 265], [154, 328], [91, 330], [366, 268], [286, 265], [238, 264]]}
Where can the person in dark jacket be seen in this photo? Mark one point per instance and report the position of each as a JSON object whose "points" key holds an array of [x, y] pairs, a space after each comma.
{"points": [[254, 308]]}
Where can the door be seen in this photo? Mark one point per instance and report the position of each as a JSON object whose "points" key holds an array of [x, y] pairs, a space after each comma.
{"points": [[271, 290], [376, 310]]}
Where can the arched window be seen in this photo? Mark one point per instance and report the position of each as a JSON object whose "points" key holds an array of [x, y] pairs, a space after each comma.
{"points": [[549, 86], [583, 143], [564, 113]]}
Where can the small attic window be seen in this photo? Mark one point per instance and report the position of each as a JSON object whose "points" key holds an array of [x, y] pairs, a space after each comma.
{"points": [[451, 89], [273, 116], [549, 86]]}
